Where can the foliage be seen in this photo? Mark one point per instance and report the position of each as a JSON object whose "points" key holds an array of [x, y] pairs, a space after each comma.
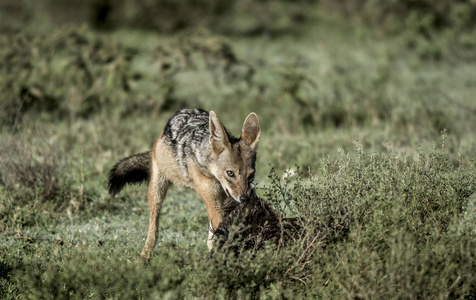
{"points": [[385, 212], [394, 15], [433, 29], [374, 226]]}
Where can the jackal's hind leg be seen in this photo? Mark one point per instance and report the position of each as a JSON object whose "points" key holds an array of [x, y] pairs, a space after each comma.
{"points": [[158, 186]]}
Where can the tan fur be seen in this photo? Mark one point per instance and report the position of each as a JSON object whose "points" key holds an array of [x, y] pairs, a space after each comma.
{"points": [[209, 183]]}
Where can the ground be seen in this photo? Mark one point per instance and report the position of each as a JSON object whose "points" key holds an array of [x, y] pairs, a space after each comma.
{"points": [[368, 140]]}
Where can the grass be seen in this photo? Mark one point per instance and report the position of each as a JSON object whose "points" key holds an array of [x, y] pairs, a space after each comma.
{"points": [[383, 137]]}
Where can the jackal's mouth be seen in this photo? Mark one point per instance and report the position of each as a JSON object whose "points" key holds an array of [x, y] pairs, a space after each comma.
{"points": [[228, 194]]}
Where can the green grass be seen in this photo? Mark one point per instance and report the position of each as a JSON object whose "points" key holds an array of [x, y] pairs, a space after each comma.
{"points": [[381, 138]]}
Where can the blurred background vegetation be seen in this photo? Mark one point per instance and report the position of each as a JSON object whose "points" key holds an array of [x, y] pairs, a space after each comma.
{"points": [[375, 100], [104, 46]]}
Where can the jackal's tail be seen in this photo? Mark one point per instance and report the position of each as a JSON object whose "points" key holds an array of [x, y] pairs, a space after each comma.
{"points": [[134, 169]]}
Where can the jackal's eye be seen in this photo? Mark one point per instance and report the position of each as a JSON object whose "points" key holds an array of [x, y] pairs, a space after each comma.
{"points": [[230, 173]]}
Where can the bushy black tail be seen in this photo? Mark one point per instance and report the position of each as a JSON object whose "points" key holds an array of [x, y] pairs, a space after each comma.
{"points": [[134, 169]]}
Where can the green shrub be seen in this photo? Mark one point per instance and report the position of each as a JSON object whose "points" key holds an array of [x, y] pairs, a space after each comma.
{"points": [[275, 17], [30, 181], [65, 74], [432, 29], [427, 15], [374, 226]]}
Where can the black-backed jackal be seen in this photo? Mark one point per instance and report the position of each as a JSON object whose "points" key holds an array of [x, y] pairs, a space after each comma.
{"points": [[196, 151]]}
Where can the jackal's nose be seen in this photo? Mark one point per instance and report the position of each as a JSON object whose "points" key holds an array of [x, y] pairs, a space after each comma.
{"points": [[243, 198]]}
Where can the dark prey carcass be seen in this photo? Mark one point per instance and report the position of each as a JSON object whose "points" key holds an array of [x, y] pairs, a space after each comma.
{"points": [[252, 224]]}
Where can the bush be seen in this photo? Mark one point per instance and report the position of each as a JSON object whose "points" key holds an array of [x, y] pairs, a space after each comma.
{"points": [[272, 17], [65, 74], [71, 74], [31, 180], [394, 15], [374, 226], [433, 29]]}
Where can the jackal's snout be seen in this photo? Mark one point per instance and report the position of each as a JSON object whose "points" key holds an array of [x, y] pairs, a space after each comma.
{"points": [[244, 198]]}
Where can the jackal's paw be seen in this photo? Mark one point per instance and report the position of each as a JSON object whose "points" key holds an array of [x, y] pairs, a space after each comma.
{"points": [[143, 260], [211, 240]]}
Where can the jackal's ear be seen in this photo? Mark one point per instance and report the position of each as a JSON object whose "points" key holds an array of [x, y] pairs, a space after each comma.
{"points": [[218, 137], [251, 130]]}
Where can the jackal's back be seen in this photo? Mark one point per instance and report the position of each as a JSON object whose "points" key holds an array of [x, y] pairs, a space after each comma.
{"points": [[187, 134]]}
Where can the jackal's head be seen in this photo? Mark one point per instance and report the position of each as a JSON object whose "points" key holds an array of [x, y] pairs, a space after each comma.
{"points": [[233, 160]]}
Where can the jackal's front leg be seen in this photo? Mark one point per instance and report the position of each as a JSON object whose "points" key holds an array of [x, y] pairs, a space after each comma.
{"points": [[213, 195], [158, 186]]}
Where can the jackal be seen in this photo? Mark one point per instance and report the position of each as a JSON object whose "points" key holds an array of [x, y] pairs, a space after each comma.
{"points": [[196, 151]]}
